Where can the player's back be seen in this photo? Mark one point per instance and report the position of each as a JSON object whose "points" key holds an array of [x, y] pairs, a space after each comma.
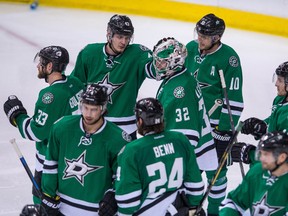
{"points": [[166, 153]]}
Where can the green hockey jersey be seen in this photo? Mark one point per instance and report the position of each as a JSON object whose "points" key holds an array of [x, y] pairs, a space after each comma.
{"points": [[80, 168], [123, 74], [261, 193], [55, 101], [184, 111], [155, 166], [206, 71], [278, 119]]}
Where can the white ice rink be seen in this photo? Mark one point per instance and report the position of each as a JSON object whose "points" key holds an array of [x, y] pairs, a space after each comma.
{"points": [[24, 32]]}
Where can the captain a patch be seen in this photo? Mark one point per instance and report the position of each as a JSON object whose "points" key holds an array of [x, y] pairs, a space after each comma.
{"points": [[179, 92], [47, 98]]}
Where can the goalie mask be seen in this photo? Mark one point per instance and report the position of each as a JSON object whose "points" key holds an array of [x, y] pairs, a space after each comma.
{"points": [[150, 111], [275, 142], [168, 57], [58, 55], [96, 95], [210, 25]]}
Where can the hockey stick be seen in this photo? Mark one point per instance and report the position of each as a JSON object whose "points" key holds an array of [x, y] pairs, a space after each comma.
{"points": [[220, 166], [223, 83], [25, 165], [218, 102]]}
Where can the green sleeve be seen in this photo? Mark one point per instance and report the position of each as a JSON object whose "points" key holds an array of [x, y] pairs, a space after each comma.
{"points": [[80, 70], [50, 180], [128, 180]]}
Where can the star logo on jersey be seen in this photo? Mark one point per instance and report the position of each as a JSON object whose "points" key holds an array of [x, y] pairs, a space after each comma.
{"points": [[263, 208], [111, 87], [78, 168], [201, 84]]}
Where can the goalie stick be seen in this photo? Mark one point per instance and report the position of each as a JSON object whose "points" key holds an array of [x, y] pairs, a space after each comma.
{"points": [[25, 165], [223, 83], [220, 166]]}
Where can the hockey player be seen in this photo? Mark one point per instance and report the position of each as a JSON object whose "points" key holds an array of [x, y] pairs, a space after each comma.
{"points": [[276, 121], [182, 100], [264, 190], [81, 157], [120, 66], [58, 99], [154, 170], [206, 57]]}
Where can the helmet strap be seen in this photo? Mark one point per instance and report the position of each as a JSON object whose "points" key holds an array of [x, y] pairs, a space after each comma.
{"points": [[112, 48], [110, 35]]}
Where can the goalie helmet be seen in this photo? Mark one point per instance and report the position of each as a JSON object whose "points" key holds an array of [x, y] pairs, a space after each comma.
{"points": [[58, 55], [276, 142], [210, 25], [120, 24], [282, 70], [150, 111], [168, 56], [95, 95]]}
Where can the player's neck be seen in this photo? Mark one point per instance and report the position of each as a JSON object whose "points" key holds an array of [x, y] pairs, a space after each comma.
{"points": [[110, 51], [54, 77], [283, 169], [213, 48], [91, 129]]}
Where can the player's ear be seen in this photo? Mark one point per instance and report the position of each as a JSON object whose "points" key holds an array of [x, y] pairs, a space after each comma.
{"points": [[282, 157], [139, 122]]}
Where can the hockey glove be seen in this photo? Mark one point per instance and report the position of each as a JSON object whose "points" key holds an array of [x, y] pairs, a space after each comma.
{"points": [[50, 204], [221, 140], [13, 107], [192, 212], [255, 127], [108, 205], [240, 152]]}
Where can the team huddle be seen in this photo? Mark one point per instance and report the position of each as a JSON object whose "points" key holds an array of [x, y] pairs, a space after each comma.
{"points": [[99, 151]]}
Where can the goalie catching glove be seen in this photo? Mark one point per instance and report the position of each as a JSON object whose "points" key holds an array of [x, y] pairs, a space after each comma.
{"points": [[221, 140], [255, 127], [240, 152], [13, 107], [108, 205]]}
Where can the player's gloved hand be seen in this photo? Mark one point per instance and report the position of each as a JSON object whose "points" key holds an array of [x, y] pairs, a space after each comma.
{"points": [[12, 108], [221, 140], [50, 204], [240, 152], [255, 127], [108, 205], [192, 212]]}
